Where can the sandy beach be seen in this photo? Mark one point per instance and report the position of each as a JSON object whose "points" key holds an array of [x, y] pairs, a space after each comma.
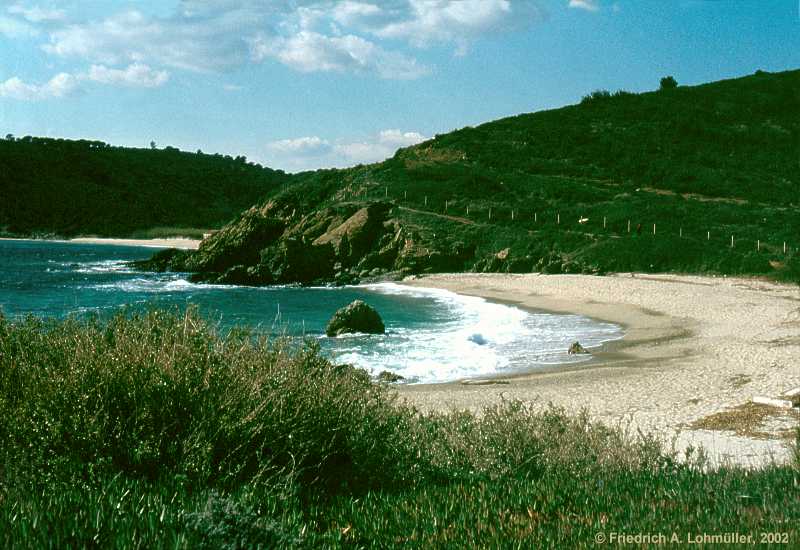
{"points": [[172, 242], [694, 347]]}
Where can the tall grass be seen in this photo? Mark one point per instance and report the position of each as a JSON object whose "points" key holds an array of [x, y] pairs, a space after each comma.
{"points": [[152, 430]]}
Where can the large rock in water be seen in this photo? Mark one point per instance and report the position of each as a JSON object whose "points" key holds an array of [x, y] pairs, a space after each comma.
{"points": [[356, 317]]}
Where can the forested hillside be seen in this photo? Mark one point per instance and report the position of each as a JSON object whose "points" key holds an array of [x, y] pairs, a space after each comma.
{"points": [[689, 179], [62, 187]]}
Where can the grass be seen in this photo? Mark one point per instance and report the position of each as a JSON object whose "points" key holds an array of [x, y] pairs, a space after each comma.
{"points": [[154, 431]]}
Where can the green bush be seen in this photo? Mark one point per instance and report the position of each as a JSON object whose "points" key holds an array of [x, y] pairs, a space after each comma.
{"points": [[154, 431], [161, 393]]}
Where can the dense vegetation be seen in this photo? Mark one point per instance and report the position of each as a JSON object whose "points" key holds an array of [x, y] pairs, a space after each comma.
{"points": [[152, 431], [62, 187], [701, 179], [662, 181]]}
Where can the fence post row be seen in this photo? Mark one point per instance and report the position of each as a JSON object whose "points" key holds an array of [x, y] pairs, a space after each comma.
{"points": [[363, 192]]}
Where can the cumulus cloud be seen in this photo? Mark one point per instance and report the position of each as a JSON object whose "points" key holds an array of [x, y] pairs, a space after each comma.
{"points": [[136, 74], [14, 28], [353, 36], [449, 20], [309, 146], [309, 51], [588, 5], [63, 84], [60, 85], [130, 37], [306, 153], [37, 14]]}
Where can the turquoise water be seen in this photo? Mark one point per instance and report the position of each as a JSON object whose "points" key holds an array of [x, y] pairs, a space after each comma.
{"points": [[432, 335]]}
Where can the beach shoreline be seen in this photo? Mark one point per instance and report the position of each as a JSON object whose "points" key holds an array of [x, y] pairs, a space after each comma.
{"points": [[693, 347], [170, 242]]}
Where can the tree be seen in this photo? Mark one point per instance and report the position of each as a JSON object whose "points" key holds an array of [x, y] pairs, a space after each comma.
{"points": [[668, 83], [152, 145]]}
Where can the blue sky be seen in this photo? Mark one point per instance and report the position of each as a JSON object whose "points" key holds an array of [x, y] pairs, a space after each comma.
{"points": [[300, 84]]}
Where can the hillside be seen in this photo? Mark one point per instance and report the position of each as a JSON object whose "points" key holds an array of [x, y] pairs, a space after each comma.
{"points": [[702, 179], [62, 187]]}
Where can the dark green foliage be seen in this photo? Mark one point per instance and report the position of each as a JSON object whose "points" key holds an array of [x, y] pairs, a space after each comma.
{"points": [[154, 432], [163, 395], [668, 83], [56, 186], [700, 163]]}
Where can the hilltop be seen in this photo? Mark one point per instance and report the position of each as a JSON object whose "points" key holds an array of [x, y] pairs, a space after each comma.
{"points": [[701, 179], [62, 187]]}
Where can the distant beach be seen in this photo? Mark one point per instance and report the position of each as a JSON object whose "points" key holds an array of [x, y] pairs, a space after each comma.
{"points": [[173, 242], [694, 347]]}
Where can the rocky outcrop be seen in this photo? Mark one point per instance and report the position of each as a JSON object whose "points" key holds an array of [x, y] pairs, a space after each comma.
{"points": [[240, 242], [342, 243], [389, 377], [505, 261], [355, 317], [170, 259], [577, 349], [356, 236]]}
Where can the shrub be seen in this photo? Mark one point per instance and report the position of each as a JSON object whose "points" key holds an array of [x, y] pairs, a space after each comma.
{"points": [[668, 83], [162, 393]]}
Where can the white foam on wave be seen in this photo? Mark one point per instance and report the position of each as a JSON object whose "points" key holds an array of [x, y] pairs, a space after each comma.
{"points": [[105, 266], [479, 338]]}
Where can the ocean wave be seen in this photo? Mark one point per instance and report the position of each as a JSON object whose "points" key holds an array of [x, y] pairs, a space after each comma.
{"points": [[479, 338]]}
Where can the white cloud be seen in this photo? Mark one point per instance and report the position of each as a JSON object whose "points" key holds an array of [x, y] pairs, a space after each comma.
{"points": [[588, 5], [14, 28], [313, 152], [63, 84], [311, 146], [130, 37], [136, 75], [306, 35], [398, 138], [349, 13], [60, 85], [309, 51], [37, 14], [449, 20]]}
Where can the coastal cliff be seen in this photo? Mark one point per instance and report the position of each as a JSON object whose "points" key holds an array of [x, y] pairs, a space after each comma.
{"points": [[696, 179]]}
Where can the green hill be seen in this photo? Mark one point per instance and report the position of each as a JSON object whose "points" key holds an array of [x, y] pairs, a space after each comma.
{"points": [[55, 186], [659, 181]]}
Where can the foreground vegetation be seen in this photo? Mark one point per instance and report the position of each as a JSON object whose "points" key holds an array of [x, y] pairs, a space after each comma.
{"points": [[153, 431]]}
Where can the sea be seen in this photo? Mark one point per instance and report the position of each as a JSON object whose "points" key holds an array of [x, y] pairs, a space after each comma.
{"points": [[432, 335]]}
